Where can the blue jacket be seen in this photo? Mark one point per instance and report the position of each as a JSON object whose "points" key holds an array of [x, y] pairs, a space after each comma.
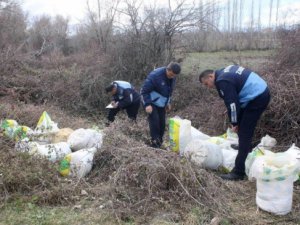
{"points": [[126, 94], [238, 86], [157, 88]]}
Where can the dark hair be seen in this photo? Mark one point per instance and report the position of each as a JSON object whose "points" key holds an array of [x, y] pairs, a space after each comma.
{"points": [[175, 67], [110, 87], [204, 74]]}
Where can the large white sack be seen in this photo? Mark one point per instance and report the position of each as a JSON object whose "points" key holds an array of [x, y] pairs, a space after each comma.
{"points": [[204, 154], [229, 156], [84, 138], [78, 164], [52, 152], [275, 196], [179, 134], [198, 135], [275, 174], [26, 146]]}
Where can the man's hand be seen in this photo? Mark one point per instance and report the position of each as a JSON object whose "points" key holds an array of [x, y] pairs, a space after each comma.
{"points": [[149, 109], [115, 104], [168, 108], [235, 129]]}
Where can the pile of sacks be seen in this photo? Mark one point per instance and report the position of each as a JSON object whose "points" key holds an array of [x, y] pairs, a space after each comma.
{"points": [[201, 149], [73, 149], [275, 173]]}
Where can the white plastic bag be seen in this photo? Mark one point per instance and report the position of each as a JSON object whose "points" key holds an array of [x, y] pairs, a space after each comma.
{"points": [[84, 138], [179, 134], [204, 154], [275, 196], [267, 142], [275, 174], [229, 156], [78, 164], [45, 129], [198, 135], [52, 152]]}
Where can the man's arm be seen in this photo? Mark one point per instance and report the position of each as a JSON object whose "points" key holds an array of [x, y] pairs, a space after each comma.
{"points": [[126, 100], [230, 96], [147, 88]]}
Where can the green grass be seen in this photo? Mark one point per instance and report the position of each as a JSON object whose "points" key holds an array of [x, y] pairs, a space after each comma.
{"points": [[28, 213], [197, 62]]}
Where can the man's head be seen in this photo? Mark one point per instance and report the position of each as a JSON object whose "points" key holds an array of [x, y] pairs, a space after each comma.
{"points": [[173, 69], [207, 77], [111, 89]]}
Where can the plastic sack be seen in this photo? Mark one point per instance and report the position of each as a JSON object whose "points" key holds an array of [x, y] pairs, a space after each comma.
{"points": [[267, 142], [275, 175], [26, 146], [225, 140], [229, 156], [204, 154], [275, 166], [78, 164], [179, 134], [9, 128], [263, 148], [52, 152], [198, 135], [45, 124], [275, 196], [252, 156], [85, 138], [22, 132], [45, 129], [62, 135]]}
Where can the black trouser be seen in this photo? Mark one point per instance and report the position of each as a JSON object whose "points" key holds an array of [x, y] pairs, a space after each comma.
{"points": [[132, 111], [157, 124], [248, 120]]}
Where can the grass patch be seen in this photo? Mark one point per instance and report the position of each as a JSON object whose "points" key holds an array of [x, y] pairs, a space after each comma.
{"points": [[28, 213], [196, 62]]}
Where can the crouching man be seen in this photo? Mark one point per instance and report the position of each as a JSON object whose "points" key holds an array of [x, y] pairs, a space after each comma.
{"points": [[124, 96]]}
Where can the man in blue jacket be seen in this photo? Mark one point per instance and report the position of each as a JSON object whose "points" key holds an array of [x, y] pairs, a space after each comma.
{"points": [[156, 97], [124, 96], [246, 96]]}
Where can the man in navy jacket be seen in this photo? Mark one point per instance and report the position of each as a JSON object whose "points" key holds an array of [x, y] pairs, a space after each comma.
{"points": [[124, 96], [246, 96], [156, 97]]}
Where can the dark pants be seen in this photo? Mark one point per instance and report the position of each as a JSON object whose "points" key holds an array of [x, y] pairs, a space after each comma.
{"points": [[248, 120], [157, 124], [132, 111]]}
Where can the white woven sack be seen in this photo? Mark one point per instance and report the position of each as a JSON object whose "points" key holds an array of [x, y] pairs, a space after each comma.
{"points": [[204, 154]]}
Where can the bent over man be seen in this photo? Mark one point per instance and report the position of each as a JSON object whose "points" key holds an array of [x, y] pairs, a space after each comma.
{"points": [[156, 97], [246, 96], [125, 97]]}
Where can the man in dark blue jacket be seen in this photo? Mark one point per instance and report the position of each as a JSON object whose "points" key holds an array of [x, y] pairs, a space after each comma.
{"points": [[156, 97], [246, 96], [125, 97]]}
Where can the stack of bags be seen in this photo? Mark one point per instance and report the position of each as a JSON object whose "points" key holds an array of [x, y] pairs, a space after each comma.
{"points": [[73, 149]]}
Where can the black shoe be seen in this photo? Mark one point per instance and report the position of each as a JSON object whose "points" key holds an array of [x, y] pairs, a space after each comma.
{"points": [[232, 176], [155, 144], [235, 146]]}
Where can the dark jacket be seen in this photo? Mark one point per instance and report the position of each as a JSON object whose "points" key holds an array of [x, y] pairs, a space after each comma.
{"points": [[238, 86], [126, 94], [157, 88]]}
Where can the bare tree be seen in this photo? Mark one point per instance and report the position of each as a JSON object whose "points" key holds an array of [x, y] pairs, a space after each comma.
{"points": [[102, 25], [270, 14]]}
